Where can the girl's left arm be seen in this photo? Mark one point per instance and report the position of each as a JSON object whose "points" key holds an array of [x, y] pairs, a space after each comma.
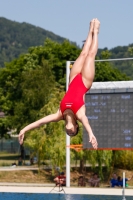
{"points": [[85, 122]]}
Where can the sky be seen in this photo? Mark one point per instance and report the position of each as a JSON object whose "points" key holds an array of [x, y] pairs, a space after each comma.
{"points": [[70, 18]]}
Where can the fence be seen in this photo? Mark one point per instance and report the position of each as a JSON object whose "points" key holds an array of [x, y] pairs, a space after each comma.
{"points": [[10, 145]]}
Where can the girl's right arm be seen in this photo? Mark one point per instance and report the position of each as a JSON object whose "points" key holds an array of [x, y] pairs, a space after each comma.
{"points": [[50, 118]]}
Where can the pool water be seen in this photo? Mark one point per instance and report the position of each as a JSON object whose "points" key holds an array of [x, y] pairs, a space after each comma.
{"points": [[25, 196]]}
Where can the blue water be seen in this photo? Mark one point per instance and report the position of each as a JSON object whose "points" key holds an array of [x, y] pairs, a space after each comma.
{"points": [[25, 196]]}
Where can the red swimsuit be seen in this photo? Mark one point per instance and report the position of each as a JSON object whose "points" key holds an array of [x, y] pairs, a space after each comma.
{"points": [[73, 98]]}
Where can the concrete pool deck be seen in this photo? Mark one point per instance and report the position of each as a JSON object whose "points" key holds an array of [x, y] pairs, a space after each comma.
{"points": [[47, 188]]}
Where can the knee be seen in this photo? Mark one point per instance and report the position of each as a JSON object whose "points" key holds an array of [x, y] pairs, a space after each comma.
{"points": [[84, 54], [91, 54]]}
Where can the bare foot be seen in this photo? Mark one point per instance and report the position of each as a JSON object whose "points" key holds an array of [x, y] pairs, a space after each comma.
{"points": [[96, 25], [92, 25]]}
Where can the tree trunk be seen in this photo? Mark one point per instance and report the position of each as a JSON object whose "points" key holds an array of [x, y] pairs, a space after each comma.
{"points": [[113, 163], [81, 168]]}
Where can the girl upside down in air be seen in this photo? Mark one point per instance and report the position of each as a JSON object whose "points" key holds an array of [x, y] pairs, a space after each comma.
{"points": [[72, 106]]}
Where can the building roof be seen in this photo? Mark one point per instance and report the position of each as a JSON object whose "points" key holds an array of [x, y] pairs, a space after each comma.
{"points": [[111, 86]]}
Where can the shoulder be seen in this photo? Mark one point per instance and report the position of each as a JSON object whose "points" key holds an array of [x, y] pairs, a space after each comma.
{"points": [[83, 119], [59, 115], [81, 113]]}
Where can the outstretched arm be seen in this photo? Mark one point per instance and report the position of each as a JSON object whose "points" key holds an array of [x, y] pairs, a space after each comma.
{"points": [[50, 118], [87, 126]]}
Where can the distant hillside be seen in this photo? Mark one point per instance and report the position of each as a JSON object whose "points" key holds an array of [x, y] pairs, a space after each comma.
{"points": [[16, 38]]}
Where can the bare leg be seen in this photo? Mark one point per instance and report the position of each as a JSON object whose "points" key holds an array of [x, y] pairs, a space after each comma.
{"points": [[78, 64], [88, 70]]}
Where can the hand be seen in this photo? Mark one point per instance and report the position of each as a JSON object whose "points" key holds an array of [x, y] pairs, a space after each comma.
{"points": [[21, 137], [93, 141]]}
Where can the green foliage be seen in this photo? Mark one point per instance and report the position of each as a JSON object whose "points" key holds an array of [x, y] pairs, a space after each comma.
{"points": [[126, 66], [26, 83], [36, 86], [130, 50], [55, 146], [4, 125], [105, 71], [25, 86], [123, 159], [57, 54], [35, 141], [49, 140]]}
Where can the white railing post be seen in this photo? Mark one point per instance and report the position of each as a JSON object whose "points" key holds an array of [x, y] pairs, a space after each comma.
{"points": [[67, 137], [123, 191]]}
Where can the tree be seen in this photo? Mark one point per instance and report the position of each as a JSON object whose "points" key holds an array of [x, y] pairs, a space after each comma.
{"points": [[18, 81], [105, 71], [37, 86], [130, 50], [95, 158], [57, 54], [25, 86], [49, 140]]}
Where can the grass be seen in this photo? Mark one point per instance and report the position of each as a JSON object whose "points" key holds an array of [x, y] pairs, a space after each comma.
{"points": [[6, 159], [26, 176]]}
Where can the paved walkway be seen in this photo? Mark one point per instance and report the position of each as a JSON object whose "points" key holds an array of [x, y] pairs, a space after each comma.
{"points": [[45, 188], [16, 168]]}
